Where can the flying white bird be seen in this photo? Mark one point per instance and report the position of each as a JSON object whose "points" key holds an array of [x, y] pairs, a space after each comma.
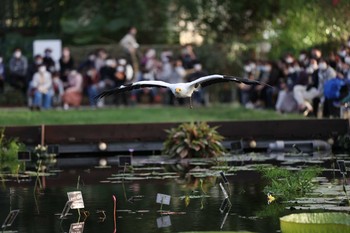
{"points": [[180, 90]]}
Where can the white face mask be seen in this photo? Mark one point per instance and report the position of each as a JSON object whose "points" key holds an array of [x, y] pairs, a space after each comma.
{"points": [[322, 66], [267, 68], [38, 62], [252, 66], [342, 53], [73, 73], [42, 69], [302, 57], [347, 60], [17, 54], [297, 68], [309, 70], [122, 62], [289, 60], [291, 70], [247, 69]]}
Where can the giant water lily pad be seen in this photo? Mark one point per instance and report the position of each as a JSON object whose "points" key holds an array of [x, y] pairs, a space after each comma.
{"points": [[316, 223], [217, 232]]}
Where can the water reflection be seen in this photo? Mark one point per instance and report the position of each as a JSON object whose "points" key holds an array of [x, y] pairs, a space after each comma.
{"points": [[40, 211], [137, 210]]}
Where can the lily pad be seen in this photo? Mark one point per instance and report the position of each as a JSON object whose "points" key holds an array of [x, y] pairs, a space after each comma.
{"points": [[216, 232], [316, 223]]}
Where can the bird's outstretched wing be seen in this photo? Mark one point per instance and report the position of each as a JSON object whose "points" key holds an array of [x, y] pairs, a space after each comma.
{"points": [[132, 86], [212, 79]]}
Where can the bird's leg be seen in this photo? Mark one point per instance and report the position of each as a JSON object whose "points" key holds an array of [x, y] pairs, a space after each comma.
{"points": [[191, 106]]}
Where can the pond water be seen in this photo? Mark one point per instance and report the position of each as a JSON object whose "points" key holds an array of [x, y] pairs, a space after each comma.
{"points": [[137, 210]]}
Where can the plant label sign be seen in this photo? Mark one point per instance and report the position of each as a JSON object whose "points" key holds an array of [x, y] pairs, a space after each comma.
{"points": [[223, 190], [163, 221], [163, 199], [10, 218], [76, 227], [77, 200]]}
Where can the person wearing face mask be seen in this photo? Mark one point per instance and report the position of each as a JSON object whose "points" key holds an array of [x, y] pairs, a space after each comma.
{"points": [[34, 65], [41, 86], [259, 94], [304, 92], [2, 75], [303, 58], [48, 61], [325, 73], [18, 67], [73, 94], [88, 63]]}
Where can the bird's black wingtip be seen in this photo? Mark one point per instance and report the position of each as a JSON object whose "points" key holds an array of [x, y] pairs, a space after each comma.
{"points": [[97, 97], [101, 95], [246, 81]]}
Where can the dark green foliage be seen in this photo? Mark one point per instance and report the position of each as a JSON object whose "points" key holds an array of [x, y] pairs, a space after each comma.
{"points": [[289, 25], [286, 184], [193, 140], [8, 154]]}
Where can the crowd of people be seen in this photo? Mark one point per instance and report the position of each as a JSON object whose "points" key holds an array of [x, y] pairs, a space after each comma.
{"points": [[311, 83], [47, 84], [307, 83]]}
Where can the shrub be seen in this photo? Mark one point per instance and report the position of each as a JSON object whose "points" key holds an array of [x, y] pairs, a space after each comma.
{"points": [[193, 140], [8, 154]]}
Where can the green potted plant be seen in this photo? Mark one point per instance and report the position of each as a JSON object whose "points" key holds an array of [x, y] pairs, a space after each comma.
{"points": [[193, 140]]}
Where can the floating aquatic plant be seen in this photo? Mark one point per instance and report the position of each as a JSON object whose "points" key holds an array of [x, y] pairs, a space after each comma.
{"points": [[286, 184], [316, 223], [193, 140]]}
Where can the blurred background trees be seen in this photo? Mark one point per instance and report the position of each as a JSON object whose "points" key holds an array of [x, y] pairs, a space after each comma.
{"points": [[284, 25]]}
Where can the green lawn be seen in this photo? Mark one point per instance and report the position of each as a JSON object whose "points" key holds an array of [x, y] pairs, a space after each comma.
{"points": [[137, 114]]}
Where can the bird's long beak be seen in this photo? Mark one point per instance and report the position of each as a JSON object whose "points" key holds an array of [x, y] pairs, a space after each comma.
{"points": [[177, 90]]}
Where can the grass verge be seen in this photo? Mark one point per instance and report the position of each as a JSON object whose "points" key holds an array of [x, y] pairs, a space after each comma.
{"points": [[137, 114]]}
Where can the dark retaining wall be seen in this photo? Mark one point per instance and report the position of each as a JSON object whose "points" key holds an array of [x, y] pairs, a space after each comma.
{"points": [[154, 132]]}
